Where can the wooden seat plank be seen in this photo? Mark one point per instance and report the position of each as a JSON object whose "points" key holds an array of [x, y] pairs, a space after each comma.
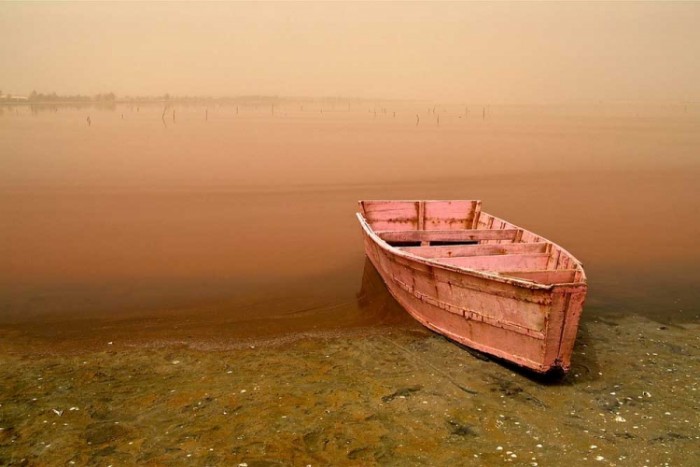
{"points": [[446, 235], [451, 251]]}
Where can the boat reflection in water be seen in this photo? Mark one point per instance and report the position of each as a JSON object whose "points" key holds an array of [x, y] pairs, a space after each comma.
{"points": [[374, 300]]}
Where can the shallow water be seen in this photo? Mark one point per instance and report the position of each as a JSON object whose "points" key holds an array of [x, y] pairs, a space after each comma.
{"points": [[230, 247]]}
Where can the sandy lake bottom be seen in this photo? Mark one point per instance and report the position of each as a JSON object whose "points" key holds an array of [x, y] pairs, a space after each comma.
{"points": [[196, 292]]}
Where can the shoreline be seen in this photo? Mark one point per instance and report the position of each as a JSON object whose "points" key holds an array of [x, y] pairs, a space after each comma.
{"points": [[397, 397]]}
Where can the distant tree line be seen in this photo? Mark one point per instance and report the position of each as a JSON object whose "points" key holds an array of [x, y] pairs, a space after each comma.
{"points": [[53, 97], [110, 98]]}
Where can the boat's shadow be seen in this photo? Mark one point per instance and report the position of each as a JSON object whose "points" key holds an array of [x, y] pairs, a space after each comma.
{"points": [[374, 297]]}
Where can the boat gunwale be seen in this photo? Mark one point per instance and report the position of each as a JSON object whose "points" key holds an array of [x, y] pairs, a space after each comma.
{"points": [[473, 272]]}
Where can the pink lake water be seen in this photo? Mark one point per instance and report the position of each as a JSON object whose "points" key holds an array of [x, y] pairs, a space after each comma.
{"points": [[207, 236]]}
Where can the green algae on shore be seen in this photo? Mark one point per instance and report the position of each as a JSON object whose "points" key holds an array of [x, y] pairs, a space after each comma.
{"points": [[400, 397]]}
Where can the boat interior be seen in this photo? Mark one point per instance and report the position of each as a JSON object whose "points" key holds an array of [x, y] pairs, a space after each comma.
{"points": [[459, 234]]}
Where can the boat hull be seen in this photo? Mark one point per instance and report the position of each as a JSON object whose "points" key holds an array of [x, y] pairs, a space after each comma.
{"points": [[531, 325]]}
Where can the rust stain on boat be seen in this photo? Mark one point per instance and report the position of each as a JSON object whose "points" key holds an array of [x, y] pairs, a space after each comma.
{"points": [[487, 283]]}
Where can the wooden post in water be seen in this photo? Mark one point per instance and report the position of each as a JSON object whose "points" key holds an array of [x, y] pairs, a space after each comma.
{"points": [[417, 119]]}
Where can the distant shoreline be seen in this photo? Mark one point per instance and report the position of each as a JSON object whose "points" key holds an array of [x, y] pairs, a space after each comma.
{"points": [[272, 100], [247, 100]]}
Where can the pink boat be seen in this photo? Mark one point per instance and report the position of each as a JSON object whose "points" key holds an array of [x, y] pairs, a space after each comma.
{"points": [[477, 279]]}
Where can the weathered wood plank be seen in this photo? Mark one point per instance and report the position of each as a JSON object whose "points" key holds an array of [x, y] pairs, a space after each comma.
{"points": [[421, 215], [496, 263], [562, 276], [392, 215], [451, 251], [477, 214], [449, 215], [518, 236], [446, 235]]}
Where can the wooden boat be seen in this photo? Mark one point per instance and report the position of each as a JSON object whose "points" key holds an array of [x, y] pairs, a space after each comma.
{"points": [[477, 279]]}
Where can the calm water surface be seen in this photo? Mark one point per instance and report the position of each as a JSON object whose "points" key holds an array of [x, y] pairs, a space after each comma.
{"points": [[188, 290]]}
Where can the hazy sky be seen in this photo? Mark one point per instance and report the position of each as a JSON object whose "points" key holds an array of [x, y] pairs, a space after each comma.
{"points": [[486, 52]]}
